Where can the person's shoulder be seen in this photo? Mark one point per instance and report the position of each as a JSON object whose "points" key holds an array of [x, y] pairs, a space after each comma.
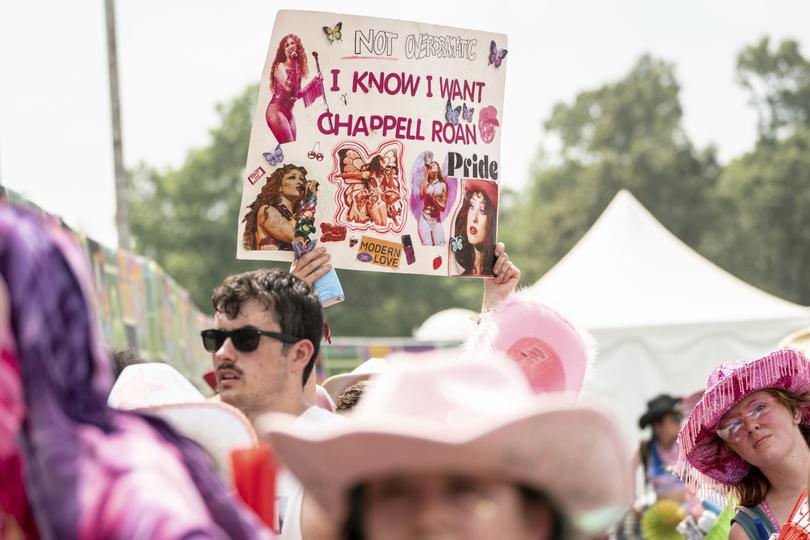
{"points": [[321, 416], [743, 524], [737, 532]]}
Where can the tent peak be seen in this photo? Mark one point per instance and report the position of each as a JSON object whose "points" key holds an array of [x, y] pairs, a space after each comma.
{"points": [[628, 270]]}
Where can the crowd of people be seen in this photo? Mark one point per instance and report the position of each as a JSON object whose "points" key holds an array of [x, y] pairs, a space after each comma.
{"points": [[477, 442]]}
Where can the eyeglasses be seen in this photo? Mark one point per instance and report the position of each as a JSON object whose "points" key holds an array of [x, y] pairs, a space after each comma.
{"points": [[245, 339], [731, 430]]}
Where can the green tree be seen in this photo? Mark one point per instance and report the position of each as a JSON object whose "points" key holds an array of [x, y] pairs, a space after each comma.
{"points": [[779, 83], [763, 200], [765, 214], [625, 134], [185, 219]]}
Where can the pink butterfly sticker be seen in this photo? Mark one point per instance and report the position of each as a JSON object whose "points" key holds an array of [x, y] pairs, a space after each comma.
{"points": [[496, 55]]}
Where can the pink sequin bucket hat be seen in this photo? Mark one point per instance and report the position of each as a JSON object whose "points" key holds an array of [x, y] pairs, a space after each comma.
{"points": [[705, 463]]}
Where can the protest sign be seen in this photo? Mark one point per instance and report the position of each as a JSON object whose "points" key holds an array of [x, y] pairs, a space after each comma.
{"points": [[378, 139]]}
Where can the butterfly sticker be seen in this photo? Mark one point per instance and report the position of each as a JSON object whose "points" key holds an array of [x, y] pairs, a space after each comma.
{"points": [[275, 157], [496, 55], [451, 114], [301, 248], [456, 243], [467, 113], [333, 34]]}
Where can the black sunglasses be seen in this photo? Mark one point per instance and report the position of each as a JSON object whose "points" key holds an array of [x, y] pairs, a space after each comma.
{"points": [[245, 339]]}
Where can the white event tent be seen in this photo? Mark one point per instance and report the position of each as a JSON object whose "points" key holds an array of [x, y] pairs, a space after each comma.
{"points": [[662, 315]]}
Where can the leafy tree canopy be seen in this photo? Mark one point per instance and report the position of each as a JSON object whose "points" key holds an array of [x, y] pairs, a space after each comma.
{"points": [[778, 80], [625, 134]]}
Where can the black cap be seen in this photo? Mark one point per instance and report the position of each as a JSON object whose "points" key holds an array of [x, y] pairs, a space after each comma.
{"points": [[658, 407]]}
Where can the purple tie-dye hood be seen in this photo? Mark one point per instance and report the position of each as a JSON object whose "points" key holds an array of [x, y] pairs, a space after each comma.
{"points": [[92, 471]]}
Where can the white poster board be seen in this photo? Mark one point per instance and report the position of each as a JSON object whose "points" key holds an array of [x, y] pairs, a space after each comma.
{"points": [[378, 139]]}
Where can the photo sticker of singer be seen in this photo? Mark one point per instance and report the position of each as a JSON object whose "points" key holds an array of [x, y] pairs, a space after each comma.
{"points": [[370, 192], [270, 223], [472, 243], [290, 67], [433, 197]]}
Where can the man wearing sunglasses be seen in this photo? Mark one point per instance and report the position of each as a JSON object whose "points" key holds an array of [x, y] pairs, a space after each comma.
{"points": [[266, 336]]}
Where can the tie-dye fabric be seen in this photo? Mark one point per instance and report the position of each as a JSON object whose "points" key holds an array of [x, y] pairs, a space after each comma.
{"points": [[92, 471]]}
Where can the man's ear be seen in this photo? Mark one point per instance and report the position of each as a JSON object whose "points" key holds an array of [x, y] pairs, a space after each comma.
{"points": [[301, 351]]}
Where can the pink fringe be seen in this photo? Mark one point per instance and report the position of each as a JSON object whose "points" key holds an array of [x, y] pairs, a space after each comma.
{"points": [[313, 91]]}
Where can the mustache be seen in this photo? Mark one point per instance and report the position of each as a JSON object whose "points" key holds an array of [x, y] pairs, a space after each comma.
{"points": [[228, 365]]}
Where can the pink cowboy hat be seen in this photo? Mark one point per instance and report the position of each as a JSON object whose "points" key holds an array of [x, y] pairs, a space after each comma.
{"points": [[487, 187], [336, 384], [159, 389], [323, 399], [449, 413], [552, 353], [705, 463]]}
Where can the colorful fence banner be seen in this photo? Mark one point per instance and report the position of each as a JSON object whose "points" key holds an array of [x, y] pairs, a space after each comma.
{"points": [[378, 139], [139, 306]]}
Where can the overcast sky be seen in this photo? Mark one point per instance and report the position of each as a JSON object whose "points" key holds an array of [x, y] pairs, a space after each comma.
{"points": [[178, 58]]}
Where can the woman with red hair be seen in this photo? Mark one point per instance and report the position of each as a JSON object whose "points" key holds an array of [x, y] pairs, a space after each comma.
{"points": [[289, 68]]}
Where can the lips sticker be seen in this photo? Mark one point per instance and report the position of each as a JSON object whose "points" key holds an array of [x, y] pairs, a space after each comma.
{"points": [[487, 122], [332, 233]]}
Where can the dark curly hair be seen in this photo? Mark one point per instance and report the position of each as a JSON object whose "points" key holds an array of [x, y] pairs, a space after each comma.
{"points": [[291, 302], [270, 195], [350, 397]]}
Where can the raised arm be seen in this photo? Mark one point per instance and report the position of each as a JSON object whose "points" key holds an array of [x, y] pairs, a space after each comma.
{"points": [[287, 78], [441, 198], [312, 265], [506, 277], [423, 187]]}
